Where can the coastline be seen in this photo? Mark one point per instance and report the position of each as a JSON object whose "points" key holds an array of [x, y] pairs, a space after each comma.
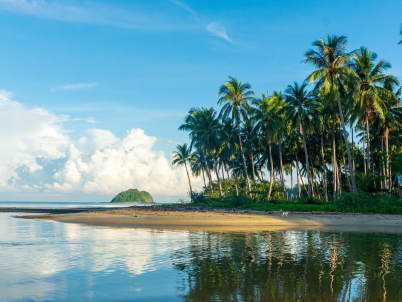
{"points": [[218, 219]]}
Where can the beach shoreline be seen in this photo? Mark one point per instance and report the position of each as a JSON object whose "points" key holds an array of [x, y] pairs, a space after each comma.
{"points": [[220, 219]]}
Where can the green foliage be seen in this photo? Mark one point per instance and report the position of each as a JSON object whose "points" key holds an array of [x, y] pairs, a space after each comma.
{"points": [[362, 203], [133, 195]]}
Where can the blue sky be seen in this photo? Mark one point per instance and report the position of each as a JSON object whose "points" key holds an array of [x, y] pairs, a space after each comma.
{"points": [[143, 64]]}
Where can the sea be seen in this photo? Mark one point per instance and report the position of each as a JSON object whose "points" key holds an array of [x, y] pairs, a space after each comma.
{"points": [[43, 260]]}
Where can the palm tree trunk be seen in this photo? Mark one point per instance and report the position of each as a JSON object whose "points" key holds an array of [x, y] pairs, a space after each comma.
{"points": [[223, 172], [189, 181], [352, 174], [344, 163], [364, 151], [271, 170], [368, 144], [252, 165], [297, 172], [312, 177], [307, 163], [291, 181], [353, 149], [334, 167], [217, 176], [302, 181], [244, 161], [383, 182], [388, 168], [235, 177], [208, 172], [324, 178], [227, 170], [203, 177], [281, 165]]}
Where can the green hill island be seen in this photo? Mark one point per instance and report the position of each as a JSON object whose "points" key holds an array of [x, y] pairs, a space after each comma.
{"points": [[133, 195]]}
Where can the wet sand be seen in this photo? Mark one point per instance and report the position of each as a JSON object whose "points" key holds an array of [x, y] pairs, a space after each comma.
{"points": [[198, 218]]}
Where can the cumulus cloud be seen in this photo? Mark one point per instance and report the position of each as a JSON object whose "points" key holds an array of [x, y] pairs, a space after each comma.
{"points": [[38, 156], [217, 29]]}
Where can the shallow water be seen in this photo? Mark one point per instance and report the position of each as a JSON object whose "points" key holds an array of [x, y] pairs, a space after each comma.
{"points": [[54, 261], [63, 205]]}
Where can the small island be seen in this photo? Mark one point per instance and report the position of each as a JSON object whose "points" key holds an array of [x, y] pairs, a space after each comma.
{"points": [[133, 195]]}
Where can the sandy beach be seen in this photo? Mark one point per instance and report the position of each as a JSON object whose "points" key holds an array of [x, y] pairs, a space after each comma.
{"points": [[194, 218]]}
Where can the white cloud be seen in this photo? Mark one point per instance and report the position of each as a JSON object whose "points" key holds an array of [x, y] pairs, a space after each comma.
{"points": [[38, 156], [67, 118], [217, 29], [76, 86], [184, 6], [5, 95], [95, 13]]}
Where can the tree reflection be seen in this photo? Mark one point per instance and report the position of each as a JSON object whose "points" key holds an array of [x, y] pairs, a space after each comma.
{"points": [[291, 266]]}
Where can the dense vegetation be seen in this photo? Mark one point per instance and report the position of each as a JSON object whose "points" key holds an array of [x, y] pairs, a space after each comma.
{"points": [[343, 136], [133, 195]]}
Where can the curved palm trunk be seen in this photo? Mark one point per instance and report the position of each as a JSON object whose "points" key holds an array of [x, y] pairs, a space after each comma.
{"points": [[307, 163], [352, 174], [324, 176], [208, 172], [189, 181], [244, 161], [235, 177], [203, 177], [271, 170], [280, 161], [217, 176], [297, 173]]}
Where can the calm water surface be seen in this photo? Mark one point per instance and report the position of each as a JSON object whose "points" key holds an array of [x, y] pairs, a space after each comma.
{"points": [[54, 261], [61, 205]]}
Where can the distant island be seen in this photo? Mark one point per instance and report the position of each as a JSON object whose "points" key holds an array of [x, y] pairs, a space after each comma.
{"points": [[133, 195]]}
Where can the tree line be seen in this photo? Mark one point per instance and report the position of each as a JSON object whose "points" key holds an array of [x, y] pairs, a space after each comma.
{"points": [[342, 134]]}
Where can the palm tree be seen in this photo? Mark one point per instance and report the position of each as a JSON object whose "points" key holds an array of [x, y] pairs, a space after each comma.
{"points": [[392, 119], [228, 140], [299, 110], [208, 131], [236, 95], [191, 121], [265, 113], [181, 157], [368, 94], [332, 73]]}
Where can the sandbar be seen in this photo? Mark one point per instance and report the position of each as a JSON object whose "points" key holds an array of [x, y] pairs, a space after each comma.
{"points": [[218, 219]]}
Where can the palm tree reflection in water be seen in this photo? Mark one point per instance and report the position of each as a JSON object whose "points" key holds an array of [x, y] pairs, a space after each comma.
{"points": [[291, 266]]}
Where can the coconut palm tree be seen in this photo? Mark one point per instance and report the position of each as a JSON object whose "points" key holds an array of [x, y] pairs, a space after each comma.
{"points": [[182, 156], [368, 93], [229, 143], [299, 110], [235, 96], [331, 75], [190, 124], [266, 115], [208, 129], [392, 119]]}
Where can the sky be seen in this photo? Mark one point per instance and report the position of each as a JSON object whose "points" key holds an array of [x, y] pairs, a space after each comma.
{"points": [[92, 92]]}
